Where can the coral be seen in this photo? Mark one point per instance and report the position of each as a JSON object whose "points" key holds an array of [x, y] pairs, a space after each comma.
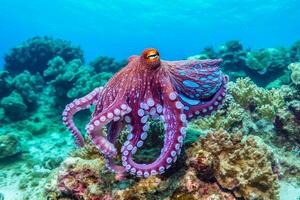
{"points": [[287, 123], [63, 76], [28, 86], [34, 54], [232, 115], [268, 60], [243, 166], [81, 179], [106, 64], [5, 83], [14, 106], [192, 188], [21, 94], [85, 84], [71, 80], [295, 75], [295, 52], [265, 102], [9, 146], [233, 55]]}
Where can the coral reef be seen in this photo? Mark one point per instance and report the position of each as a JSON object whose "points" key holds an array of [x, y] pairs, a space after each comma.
{"points": [[33, 55], [243, 167], [213, 164]]}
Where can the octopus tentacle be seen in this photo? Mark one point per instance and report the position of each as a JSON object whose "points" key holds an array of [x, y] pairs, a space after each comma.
{"points": [[75, 106], [113, 131], [175, 124], [94, 128]]}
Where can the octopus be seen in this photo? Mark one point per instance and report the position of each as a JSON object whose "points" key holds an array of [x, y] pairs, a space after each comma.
{"points": [[148, 88]]}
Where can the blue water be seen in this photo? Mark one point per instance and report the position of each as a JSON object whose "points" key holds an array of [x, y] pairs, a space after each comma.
{"points": [[177, 28]]}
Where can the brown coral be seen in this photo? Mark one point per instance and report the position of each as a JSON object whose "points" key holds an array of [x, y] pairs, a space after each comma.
{"points": [[241, 166]]}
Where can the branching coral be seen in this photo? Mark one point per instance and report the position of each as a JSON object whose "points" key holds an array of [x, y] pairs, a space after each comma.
{"points": [[33, 55], [245, 167], [265, 102]]}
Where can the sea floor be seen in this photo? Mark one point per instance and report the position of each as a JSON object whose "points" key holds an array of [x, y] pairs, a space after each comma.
{"points": [[25, 175]]}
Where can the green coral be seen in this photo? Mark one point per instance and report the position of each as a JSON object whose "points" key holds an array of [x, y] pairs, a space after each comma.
{"points": [[34, 54], [5, 83], [86, 84], [269, 59], [295, 52], [14, 106], [28, 86], [106, 64]]}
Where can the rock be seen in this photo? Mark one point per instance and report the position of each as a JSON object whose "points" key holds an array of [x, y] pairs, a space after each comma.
{"points": [[9, 146]]}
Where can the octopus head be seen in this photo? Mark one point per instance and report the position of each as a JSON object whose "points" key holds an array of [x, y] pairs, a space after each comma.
{"points": [[150, 57]]}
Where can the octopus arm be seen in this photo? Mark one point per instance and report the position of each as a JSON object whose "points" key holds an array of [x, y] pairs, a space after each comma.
{"points": [[75, 106], [95, 127], [175, 125], [200, 85]]}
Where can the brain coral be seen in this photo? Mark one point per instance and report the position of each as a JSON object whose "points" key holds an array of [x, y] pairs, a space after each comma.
{"points": [[34, 54], [242, 166]]}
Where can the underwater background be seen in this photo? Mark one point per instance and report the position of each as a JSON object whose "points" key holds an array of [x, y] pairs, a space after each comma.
{"points": [[53, 52]]}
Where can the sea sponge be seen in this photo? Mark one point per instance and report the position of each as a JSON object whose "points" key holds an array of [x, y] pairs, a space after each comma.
{"points": [[295, 75], [243, 166], [33, 54]]}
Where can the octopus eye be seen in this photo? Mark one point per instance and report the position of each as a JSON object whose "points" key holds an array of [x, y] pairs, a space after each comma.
{"points": [[152, 55]]}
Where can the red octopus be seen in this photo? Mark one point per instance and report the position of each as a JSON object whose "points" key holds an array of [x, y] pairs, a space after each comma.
{"points": [[171, 91]]}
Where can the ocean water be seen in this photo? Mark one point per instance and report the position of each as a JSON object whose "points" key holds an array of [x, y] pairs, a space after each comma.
{"points": [[177, 28], [257, 128]]}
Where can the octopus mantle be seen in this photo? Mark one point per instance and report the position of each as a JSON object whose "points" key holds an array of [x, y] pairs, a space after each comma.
{"points": [[149, 88]]}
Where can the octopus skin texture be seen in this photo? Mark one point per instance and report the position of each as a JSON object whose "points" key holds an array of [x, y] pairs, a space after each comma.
{"points": [[149, 88]]}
